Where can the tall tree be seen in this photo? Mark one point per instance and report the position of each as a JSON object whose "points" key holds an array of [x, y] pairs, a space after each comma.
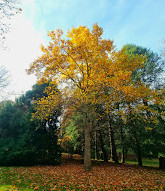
{"points": [[88, 71], [151, 74]]}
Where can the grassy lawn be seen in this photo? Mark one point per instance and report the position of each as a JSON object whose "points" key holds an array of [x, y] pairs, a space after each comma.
{"points": [[71, 176], [146, 162]]}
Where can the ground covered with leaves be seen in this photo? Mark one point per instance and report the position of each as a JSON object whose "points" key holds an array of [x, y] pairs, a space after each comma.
{"points": [[71, 176]]}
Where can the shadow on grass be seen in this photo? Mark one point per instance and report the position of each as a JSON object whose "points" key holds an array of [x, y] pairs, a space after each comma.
{"points": [[77, 159]]}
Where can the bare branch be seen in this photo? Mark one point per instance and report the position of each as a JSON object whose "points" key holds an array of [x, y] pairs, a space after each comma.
{"points": [[8, 8], [4, 81]]}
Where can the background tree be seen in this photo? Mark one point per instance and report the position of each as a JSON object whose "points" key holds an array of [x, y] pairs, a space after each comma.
{"points": [[72, 126], [151, 72], [163, 48], [8, 8], [20, 138], [4, 81]]}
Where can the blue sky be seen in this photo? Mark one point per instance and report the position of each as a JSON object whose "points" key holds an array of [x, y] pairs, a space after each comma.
{"points": [[141, 22]]}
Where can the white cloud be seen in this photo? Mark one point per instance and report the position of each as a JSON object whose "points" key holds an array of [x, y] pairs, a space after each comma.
{"points": [[24, 47]]}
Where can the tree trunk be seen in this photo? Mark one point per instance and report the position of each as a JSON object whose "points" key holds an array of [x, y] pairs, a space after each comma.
{"points": [[139, 154], [162, 162], [95, 145], [121, 135], [102, 147], [138, 149], [122, 145], [114, 153], [87, 152], [110, 146]]}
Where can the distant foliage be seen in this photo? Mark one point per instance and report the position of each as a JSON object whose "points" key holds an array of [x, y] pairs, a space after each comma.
{"points": [[23, 142], [152, 71]]}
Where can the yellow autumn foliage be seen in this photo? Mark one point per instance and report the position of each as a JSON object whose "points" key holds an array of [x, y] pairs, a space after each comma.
{"points": [[87, 70]]}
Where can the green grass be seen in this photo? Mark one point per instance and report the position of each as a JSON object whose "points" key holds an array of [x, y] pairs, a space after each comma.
{"points": [[10, 180], [10, 187], [146, 162]]}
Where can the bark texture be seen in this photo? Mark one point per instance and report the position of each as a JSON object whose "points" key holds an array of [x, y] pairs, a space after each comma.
{"points": [[114, 152], [87, 152]]}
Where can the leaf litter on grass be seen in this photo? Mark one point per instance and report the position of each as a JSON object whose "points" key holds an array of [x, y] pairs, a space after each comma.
{"points": [[73, 177]]}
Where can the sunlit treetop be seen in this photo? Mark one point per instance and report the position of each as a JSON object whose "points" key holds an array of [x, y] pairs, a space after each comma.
{"points": [[87, 69]]}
